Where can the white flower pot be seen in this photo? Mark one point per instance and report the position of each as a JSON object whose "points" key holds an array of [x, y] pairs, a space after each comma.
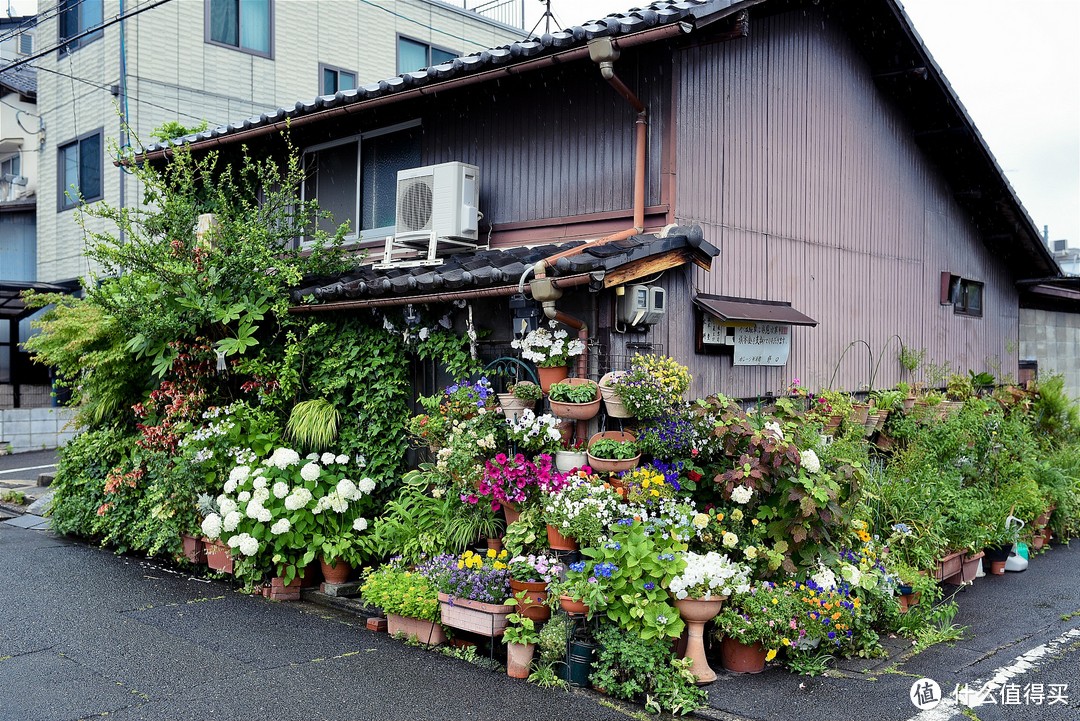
{"points": [[567, 461]]}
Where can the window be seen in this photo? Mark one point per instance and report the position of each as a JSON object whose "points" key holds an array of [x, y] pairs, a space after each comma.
{"points": [[26, 44], [333, 79], [79, 170], [356, 179], [10, 167], [242, 24], [76, 17], [413, 55], [964, 295]]}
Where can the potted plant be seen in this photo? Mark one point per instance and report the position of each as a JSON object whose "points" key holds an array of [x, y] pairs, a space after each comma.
{"points": [[571, 456], [754, 626], [521, 639], [533, 433], [612, 403], [509, 480], [472, 593], [653, 386], [408, 598], [550, 349], [580, 512], [579, 591], [576, 398], [700, 591], [521, 396], [529, 578], [613, 451]]}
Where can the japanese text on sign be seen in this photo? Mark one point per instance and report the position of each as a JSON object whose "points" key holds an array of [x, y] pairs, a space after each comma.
{"points": [[762, 344]]}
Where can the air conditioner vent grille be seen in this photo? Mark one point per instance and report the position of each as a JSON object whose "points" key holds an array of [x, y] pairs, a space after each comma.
{"points": [[415, 197]]}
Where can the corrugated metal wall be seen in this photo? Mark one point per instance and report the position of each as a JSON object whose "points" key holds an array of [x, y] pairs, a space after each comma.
{"points": [[552, 145], [816, 193]]}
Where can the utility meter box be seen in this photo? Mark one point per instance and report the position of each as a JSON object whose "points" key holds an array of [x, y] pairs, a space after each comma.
{"points": [[640, 305]]}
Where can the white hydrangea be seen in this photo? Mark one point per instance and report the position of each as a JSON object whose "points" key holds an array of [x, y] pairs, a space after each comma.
{"points": [[226, 505], [337, 503], [253, 509], [360, 524], [284, 457], [248, 545], [311, 457], [230, 486], [232, 520], [342, 459], [260, 495], [282, 525], [327, 458], [211, 526], [281, 489], [239, 474], [710, 575], [265, 516], [810, 461], [259, 482], [366, 485], [244, 496], [299, 498], [310, 472], [234, 541], [361, 462], [742, 494], [348, 490]]}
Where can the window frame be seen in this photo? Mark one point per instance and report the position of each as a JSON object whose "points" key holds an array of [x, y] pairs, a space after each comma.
{"points": [[62, 204], [323, 67], [428, 45], [358, 235], [216, 43], [960, 305], [65, 45]]}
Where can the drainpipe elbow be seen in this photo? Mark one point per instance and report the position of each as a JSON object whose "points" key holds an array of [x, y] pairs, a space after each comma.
{"points": [[607, 70]]}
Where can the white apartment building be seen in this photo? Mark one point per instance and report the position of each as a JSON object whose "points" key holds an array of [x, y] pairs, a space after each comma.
{"points": [[213, 60]]}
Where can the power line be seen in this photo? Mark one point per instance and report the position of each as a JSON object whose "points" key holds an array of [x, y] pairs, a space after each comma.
{"points": [[35, 20], [90, 31]]}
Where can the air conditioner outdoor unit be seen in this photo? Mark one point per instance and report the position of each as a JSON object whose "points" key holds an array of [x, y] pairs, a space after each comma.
{"points": [[437, 213]]}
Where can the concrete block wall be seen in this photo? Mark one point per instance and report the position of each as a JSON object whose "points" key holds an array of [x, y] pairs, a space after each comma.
{"points": [[32, 429], [1052, 339]]}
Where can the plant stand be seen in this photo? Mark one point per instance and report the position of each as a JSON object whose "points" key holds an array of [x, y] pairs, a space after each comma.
{"points": [[697, 612]]}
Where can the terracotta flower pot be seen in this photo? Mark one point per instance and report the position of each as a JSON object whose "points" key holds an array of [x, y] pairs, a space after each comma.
{"points": [[997, 568], [484, 619], [612, 403], [518, 659], [559, 542], [908, 600], [571, 606], [194, 549], [548, 376], [949, 566], [427, 632], [338, 572], [696, 612], [739, 657], [577, 411], [511, 512], [512, 407], [218, 556], [613, 465], [535, 603]]}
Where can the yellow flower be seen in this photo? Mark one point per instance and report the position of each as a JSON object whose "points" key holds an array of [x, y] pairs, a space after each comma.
{"points": [[654, 492], [701, 520], [461, 564], [737, 514], [719, 517], [771, 654], [502, 553], [491, 553], [754, 521], [751, 553], [786, 641], [645, 483], [730, 539], [775, 601]]}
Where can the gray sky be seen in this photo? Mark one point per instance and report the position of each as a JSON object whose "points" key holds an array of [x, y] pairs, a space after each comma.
{"points": [[1015, 64]]}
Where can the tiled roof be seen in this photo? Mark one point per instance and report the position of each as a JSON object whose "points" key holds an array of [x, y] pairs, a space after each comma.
{"points": [[22, 80], [659, 13], [500, 267]]}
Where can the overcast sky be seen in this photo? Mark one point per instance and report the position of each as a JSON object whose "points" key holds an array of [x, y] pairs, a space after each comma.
{"points": [[1014, 64]]}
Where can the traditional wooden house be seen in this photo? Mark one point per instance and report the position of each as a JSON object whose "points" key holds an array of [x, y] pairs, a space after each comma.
{"points": [[762, 189]]}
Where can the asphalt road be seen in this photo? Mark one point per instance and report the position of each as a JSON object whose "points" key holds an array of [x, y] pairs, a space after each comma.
{"points": [[86, 633]]}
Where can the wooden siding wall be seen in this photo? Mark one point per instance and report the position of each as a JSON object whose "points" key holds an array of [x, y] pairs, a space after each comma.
{"points": [[556, 144], [815, 192]]}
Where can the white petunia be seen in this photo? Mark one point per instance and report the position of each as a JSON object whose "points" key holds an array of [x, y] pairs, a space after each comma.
{"points": [[360, 524], [310, 472], [232, 520], [342, 459], [366, 485], [810, 461], [281, 489], [282, 525], [742, 494], [211, 526], [327, 458]]}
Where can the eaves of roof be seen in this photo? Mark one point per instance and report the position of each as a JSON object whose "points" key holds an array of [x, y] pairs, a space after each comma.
{"points": [[21, 80], [496, 272]]}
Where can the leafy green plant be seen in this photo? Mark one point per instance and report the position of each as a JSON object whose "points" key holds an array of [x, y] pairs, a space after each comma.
{"points": [[653, 385], [314, 424], [526, 391], [611, 449], [395, 589], [910, 359], [631, 668], [573, 392], [16, 497], [521, 629]]}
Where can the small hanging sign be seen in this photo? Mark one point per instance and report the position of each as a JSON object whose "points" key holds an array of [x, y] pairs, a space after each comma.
{"points": [[762, 344]]}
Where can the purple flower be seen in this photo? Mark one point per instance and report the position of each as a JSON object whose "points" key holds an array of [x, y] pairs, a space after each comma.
{"points": [[650, 586]]}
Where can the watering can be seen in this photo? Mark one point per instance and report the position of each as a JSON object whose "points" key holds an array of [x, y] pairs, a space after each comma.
{"points": [[1018, 555]]}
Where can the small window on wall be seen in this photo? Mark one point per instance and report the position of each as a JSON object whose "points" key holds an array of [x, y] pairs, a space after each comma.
{"points": [[79, 171], [963, 294], [243, 24], [334, 79], [78, 17], [413, 55]]}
